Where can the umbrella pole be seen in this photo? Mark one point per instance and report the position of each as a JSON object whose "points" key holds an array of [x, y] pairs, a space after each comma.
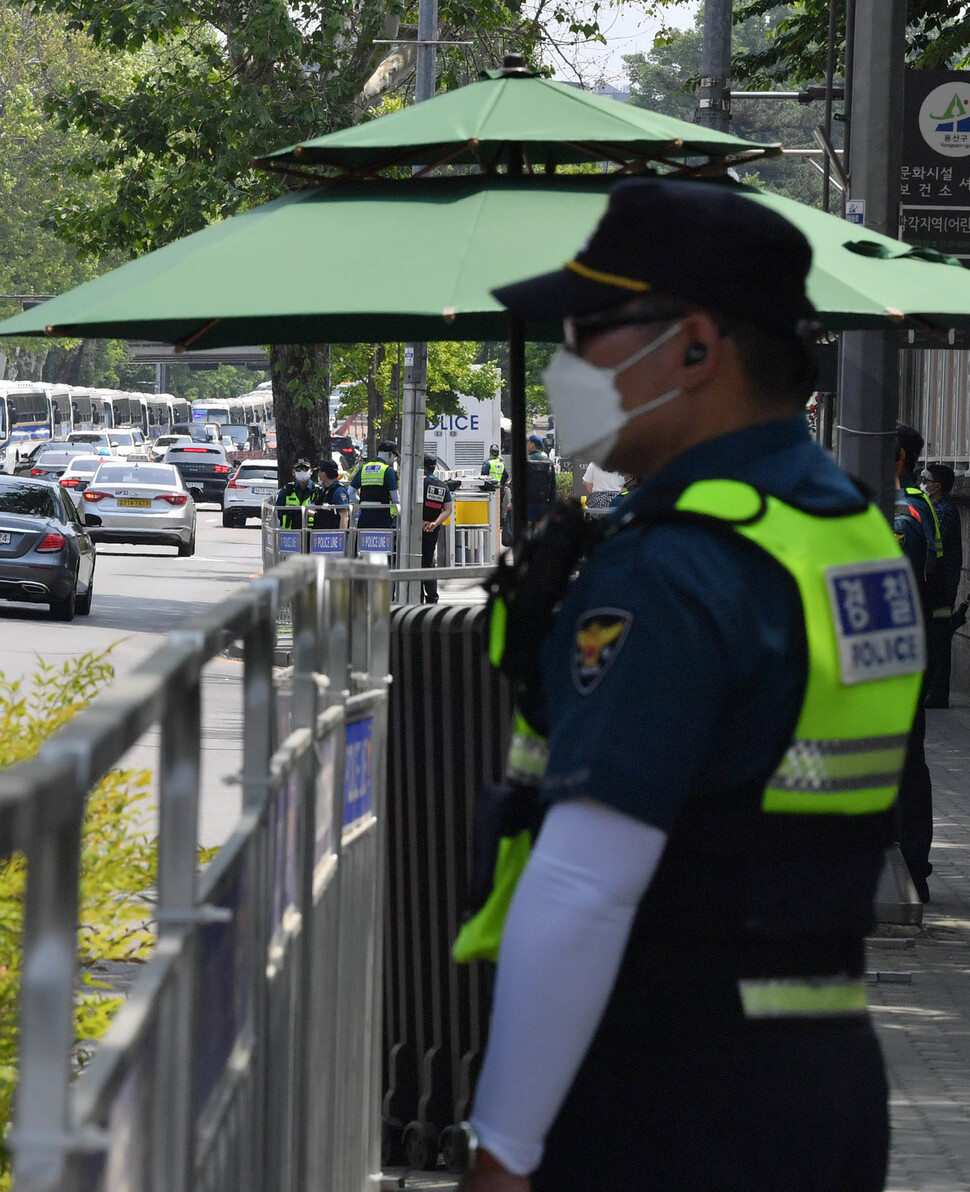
{"points": [[517, 413]]}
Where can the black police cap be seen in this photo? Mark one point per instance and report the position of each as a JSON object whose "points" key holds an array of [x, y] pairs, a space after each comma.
{"points": [[700, 243]]}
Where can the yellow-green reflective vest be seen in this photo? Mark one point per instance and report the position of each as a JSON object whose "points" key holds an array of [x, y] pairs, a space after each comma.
{"points": [[496, 470], [866, 654], [937, 536], [866, 650]]}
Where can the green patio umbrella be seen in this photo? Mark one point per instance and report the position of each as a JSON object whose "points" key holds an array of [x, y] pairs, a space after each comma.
{"points": [[517, 120], [382, 260]]}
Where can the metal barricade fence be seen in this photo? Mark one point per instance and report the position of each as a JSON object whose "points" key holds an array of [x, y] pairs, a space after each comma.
{"points": [[450, 718], [244, 1056]]}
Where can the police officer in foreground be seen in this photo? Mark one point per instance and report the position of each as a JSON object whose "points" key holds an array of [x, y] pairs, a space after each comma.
{"points": [[299, 491], [725, 696], [435, 512], [375, 481]]}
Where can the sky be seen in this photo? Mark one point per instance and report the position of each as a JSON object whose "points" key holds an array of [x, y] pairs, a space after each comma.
{"points": [[627, 31]]}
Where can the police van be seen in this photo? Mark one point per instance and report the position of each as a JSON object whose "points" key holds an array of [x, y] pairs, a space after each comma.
{"points": [[461, 441]]}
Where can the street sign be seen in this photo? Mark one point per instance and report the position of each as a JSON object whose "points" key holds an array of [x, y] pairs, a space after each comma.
{"points": [[855, 211], [934, 184]]}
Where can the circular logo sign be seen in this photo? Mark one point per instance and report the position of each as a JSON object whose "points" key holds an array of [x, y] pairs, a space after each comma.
{"points": [[944, 120]]}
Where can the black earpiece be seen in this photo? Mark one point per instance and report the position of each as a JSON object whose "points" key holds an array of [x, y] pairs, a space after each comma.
{"points": [[695, 354]]}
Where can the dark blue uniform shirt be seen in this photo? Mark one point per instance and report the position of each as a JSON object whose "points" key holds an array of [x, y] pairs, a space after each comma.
{"points": [[703, 680]]}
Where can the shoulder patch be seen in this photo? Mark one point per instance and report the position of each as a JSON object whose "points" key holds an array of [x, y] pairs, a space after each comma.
{"points": [[600, 634]]}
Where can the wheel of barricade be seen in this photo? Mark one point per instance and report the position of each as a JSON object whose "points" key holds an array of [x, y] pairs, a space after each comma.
{"points": [[393, 1153], [421, 1146], [454, 1149]]}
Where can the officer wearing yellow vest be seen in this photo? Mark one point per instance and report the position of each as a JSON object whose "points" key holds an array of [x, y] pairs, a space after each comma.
{"points": [[722, 708], [494, 467], [375, 481], [299, 491]]}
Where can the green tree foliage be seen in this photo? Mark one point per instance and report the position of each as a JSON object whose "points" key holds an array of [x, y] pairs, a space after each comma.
{"points": [[220, 81], [665, 81], [365, 372], [938, 36], [117, 864]]}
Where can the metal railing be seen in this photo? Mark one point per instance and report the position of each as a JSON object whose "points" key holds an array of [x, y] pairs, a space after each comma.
{"points": [[246, 1054]]}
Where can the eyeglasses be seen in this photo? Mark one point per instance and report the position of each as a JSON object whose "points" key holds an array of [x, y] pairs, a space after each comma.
{"points": [[927, 478], [579, 330]]}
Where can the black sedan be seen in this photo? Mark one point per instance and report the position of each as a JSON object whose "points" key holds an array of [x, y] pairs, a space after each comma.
{"points": [[204, 468], [46, 556]]}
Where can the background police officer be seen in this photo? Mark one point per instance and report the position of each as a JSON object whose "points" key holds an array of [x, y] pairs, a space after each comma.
{"points": [[299, 491], [540, 483], [436, 510], [331, 492], [680, 996], [494, 467], [375, 482]]}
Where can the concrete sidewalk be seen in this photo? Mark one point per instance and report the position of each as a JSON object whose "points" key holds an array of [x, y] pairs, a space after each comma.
{"points": [[923, 1011]]}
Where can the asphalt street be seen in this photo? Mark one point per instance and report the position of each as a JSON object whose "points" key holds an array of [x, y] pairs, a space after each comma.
{"points": [[141, 594]]}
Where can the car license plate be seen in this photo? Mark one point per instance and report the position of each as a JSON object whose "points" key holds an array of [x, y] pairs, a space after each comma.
{"points": [[134, 503], [4, 539], [263, 492]]}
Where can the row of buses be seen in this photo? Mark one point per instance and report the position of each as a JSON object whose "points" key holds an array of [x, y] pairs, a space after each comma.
{"points": [[33, 412]]}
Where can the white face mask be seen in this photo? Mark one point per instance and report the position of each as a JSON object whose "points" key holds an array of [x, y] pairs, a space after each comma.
{"points": [[301, 477], [587, 405]]}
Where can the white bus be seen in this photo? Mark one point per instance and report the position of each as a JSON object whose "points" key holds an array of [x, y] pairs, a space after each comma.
{"points": [[26, 419], [461, 441]]}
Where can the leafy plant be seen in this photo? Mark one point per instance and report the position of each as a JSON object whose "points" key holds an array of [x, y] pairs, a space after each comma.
{"points": [[117, 864]]}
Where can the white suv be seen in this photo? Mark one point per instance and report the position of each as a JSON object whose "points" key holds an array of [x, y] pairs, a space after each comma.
{"points": [[253, 481]]}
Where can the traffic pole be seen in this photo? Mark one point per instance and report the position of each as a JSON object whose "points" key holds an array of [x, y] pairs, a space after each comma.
{"points": [[869, 394], [714, 93], [415, 398]]}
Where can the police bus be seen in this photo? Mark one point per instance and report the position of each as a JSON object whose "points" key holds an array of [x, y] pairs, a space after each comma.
{"points": [[26, 419], [461, 441]]}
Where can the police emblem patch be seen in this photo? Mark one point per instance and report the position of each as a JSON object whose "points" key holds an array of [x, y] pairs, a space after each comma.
{"points": [[600, 634]]}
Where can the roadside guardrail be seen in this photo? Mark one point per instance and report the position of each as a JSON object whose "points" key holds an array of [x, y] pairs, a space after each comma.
{"points": [[247, 1055]]}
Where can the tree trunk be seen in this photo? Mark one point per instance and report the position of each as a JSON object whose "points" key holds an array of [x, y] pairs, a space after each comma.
{"points": [[301, 388]]}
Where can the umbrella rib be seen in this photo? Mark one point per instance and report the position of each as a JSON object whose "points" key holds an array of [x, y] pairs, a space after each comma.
{"points": [[183, 345]]}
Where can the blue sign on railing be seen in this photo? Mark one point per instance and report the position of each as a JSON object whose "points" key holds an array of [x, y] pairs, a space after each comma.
{"points": [[358, 770], [328, 542], [377, 541], [289, 542]]}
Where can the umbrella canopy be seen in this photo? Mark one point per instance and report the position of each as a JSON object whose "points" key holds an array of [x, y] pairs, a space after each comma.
{"points": [[516, 119], [391, 260]]}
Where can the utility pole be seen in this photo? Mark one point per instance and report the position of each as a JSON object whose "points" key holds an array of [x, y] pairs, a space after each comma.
{"points": [[714, 93], [869, 397], [415, 403]]}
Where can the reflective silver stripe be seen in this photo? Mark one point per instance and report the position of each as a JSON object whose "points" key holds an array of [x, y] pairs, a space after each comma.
{"points": [[841, 765], [528, 757], [802, 997]]}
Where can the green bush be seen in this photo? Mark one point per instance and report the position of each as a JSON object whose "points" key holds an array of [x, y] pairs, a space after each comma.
{"points": [[117, 864], [564, 484]]}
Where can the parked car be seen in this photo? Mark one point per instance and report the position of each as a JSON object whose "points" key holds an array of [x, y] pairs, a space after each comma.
{"points": [[252, 482], [204, 468], [78, 473], [51, 462], [140, 503], [46, 554], [96, 441], [125, 443], [163, 442]]}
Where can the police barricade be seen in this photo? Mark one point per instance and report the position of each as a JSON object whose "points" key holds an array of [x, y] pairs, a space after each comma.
{"points": [[243, 1058], [450, 717], [473, 532]]}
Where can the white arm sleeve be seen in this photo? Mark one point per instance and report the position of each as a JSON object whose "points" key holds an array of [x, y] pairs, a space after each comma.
{"points": [[562, 947]]}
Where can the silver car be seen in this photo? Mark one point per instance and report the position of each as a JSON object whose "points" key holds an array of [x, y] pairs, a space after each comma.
{"points": [[140, 503]]}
